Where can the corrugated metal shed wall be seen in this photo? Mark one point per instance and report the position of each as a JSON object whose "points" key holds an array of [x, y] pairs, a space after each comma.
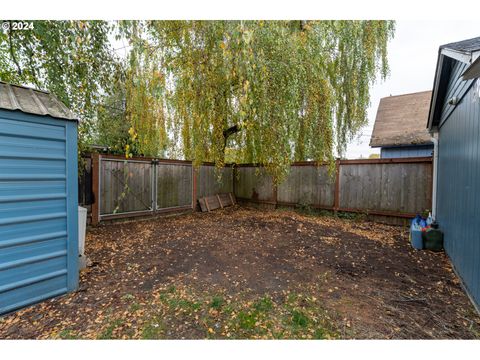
{"points": [[458, 209], [38, 208], [406, 151]]}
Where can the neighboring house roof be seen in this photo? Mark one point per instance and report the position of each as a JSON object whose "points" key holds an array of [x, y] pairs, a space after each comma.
{"points": [[465, 51], [32, 101], [402, 120]]}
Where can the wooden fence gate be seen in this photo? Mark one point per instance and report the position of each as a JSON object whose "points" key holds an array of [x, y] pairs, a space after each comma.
{"points": [[126, 187], [144, 186]]}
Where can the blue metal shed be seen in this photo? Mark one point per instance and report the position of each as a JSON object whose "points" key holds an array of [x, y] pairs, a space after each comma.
{"points": [[38, 197], [455, 120]]}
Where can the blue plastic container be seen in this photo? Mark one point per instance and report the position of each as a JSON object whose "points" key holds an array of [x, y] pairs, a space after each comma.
{"points": [[416, 235]]}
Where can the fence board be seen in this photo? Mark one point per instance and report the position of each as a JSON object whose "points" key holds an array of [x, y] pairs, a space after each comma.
{"points": [[208, 184], [174, 185], [390, 187], [253, 183], [309, 185], [395, 187], [125, 186]]}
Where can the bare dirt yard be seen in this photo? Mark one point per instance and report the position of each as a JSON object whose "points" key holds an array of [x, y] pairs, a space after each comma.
{"points": [[248, 273]]}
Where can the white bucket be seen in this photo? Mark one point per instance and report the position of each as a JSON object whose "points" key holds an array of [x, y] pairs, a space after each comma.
{"points": [[82, 228]]}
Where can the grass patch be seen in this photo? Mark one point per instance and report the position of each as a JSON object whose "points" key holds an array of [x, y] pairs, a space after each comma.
{"points": [[135, 307], [153, 330], [128, 297], [299, 319], [320, 334], [358, 217], [305, 208], [183, 304], [217, 302], [247, 319], [67, 334], [108, 332], [264, 304], [182, 313]]}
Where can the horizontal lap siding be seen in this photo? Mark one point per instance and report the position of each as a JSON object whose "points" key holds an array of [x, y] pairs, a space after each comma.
{"points": [[34, 222], [458, 209], [406, 151]]}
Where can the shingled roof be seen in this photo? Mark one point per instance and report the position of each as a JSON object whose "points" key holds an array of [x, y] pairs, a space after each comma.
{"points": [[465, 46], [402, 120], [28, 100]]}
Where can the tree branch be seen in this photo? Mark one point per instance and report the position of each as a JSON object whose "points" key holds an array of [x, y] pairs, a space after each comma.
{"points": [[33, 70], [12, 53], [229, 132]]}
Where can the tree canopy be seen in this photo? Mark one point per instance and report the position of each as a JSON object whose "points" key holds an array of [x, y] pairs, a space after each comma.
{"points": [[71, 59], [268, 92]]}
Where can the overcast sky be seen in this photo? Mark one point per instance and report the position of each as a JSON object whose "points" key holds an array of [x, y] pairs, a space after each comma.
{"points": [[412, 56]]}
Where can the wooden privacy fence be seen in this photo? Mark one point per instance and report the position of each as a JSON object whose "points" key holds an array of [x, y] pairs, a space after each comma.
{"points": [[385, 187], [85, 194], [143, 186]]}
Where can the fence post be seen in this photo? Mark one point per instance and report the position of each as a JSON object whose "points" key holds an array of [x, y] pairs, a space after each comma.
{"points": [[233, 179], [275, 195], [194, 187], [95, 188], [336, 202], [154, 185]]}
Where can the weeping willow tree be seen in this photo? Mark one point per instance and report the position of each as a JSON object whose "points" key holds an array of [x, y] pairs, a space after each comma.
{"points": [[267, 92], [71, 59]]}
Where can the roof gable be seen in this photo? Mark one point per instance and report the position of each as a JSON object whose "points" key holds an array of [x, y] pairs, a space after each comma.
{"points": [[449, 55], [402, 120]]}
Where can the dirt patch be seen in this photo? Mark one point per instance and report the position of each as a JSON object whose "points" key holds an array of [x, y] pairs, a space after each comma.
{"points": [[365, 275]]}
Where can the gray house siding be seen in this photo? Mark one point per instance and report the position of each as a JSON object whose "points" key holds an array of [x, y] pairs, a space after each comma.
{"points": [[458, 195], [406, 151]]}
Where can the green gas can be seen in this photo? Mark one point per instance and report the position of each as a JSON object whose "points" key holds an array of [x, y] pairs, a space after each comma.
{"points": [[433, 238]]}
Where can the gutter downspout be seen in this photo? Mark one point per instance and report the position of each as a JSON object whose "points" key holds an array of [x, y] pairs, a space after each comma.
{"points": [[435, 174]]}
